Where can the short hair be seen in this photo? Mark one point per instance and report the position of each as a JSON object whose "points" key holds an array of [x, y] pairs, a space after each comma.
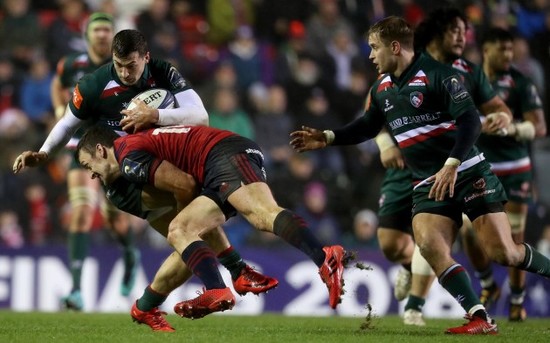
{"points": [[94, 135], [436, 24], [126, 42], [496, 34], [393, 28]]}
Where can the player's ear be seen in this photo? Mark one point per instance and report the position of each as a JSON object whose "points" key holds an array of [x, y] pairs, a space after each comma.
{"points": [[147, 57], [395, 47], [100, 150]]}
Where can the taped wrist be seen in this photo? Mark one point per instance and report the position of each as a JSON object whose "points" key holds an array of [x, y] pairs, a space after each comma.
{"points": [[329, 136], [384, 141], [455, 162], [525, 131]]}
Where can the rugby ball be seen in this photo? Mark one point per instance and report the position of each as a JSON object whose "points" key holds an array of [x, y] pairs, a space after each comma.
{"points": [[155, 98]]}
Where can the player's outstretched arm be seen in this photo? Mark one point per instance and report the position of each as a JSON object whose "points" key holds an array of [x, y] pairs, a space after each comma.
{"points": [[308, 139], [29, 159]]}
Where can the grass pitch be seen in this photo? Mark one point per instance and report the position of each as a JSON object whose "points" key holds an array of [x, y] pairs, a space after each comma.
{"points": [[100, 327]]}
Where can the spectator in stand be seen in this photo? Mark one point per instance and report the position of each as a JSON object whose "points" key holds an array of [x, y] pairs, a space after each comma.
{"points": [[289, 182], [316, 211], [223, 76], [65, 35], [35, 95], [271, 124], [289, 51], [228, 115], [20, 32], [11, 233], [323, 23], [318, 113], [155, 18], [226, 16], [363, 236], [526, 64], [10, 83], [340, 57], [253, 60], [199, 56], [305, 76], [275, 18]]}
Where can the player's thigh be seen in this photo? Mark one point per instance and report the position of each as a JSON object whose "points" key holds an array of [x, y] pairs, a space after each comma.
{"points": [[434, 231], [201, 214], [256, 203]]}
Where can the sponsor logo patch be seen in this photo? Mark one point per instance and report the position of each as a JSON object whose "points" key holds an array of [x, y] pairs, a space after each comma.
{"points": [[133, 170], [479, 184], [176, 79], [456, 89]]}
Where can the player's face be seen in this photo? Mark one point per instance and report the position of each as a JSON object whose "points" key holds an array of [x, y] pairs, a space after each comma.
{"points": [[499, 55], [98, 166], [130, 68], [382, 55], [454, 39], [100, 38]]}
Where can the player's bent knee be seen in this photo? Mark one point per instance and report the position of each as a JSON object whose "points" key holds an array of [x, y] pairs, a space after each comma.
{"points": [[420, 265]]}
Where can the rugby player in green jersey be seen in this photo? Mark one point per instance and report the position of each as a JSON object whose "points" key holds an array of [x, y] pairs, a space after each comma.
{"points": [[100, 98], [446, 41], [435, 125], [83, 192], [442, 36], [508, 152]]}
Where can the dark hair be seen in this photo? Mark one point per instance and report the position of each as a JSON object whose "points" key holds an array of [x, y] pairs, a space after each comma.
{"points": [[393, 28], [436, 24], [93, 136], [496, 34], [126, 42]]}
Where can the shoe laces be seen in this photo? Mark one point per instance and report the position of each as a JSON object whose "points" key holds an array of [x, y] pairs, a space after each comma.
{"points": [[251, 275], [157, 319]]}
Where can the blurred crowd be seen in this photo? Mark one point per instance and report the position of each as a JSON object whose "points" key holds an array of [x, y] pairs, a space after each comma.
{"points": [[263, 68]]}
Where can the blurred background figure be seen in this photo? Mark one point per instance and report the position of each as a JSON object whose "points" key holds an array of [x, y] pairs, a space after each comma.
{"points": [[226, 16], [315, 210], [65, 34], [526, 64], [35, 94], [11, 233], [323, 23], [20, 32], [228, 114], [252, 59], [272, 124], [363, 235]]}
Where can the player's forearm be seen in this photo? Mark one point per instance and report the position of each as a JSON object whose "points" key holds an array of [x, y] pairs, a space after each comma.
{"points": [[356, 132], [61, 134], [468, 130], [190, 111]]}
